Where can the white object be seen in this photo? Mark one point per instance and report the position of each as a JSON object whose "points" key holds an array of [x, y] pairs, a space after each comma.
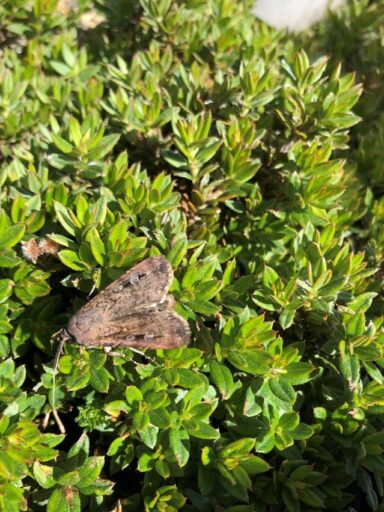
{"points": [[294, 15]]}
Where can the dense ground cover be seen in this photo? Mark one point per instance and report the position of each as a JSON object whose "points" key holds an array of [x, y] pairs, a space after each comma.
{"points": [[252, 161]]}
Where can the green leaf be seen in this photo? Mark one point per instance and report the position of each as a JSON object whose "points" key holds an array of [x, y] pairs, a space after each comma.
{"points": [[251, 407], [254, 465], [270, 276], [5, 327], [349, 365], [287, 317], [90, 471], [162, 468], [242, 478], [8, 259], [204, 307], [65, 499], [222, 378], [299, 373], [207, 290], [362, 303], [78, 379], [6, 286], [99, 211], [229, 273], [11, 235], [62, 144], [289, 421], [117, 235], [62, 240], [201, 430], [175, 159], [133, 395], [205, 154], [238, 448], [179, 444], [145, 463], [61, 69], [69, 478], [72, 260], [178, 251], [283, 394], [104, 147], [75, 131], [97, 246], [149, 436], [254, 362], [141, 420], [356, 325], [291, 502], [373, 371], [202, 271], [302, 432], [99, 379], [66, 218], [310, 498]]}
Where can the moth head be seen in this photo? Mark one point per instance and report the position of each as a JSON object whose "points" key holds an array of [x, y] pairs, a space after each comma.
{"points": [[82, 325]]}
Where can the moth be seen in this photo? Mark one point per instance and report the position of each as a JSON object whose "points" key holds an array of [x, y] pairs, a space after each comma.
{"points": [[135, 312]]}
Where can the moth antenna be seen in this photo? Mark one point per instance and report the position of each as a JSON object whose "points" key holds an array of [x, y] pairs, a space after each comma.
{"points": [[62, 337]]}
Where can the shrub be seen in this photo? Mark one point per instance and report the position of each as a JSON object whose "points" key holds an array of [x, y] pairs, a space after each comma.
{"points": [[189, 129]]}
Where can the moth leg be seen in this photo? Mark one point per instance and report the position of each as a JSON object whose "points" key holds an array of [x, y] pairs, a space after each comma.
{"points": [[92, 291], [62, 336], [108, 351], [143, 354]]}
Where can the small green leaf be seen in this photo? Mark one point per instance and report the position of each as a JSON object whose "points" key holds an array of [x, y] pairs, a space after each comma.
{"points": [[99, 211], [104, 147], [362, 303], [254, 362], [6, 286], [11, 235], [133, 394], [62, 144], [204, 307], [179, 444], [222, 378], [99, 379], [65, 499], [175, 159], [287, 317], [355, 326], [61, 69], [66, 218], [202, 271], [8, 258], [178, 251], [97, 246], [149, 435], [201, 430], [140, 420], [270, 276], [72, 260]]}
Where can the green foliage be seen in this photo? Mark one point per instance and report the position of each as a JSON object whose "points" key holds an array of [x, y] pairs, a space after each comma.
{"points": [[189, 129]]}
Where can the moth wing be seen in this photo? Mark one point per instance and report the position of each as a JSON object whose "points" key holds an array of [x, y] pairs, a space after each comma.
{"points": [[151, 329], [144, 285]]}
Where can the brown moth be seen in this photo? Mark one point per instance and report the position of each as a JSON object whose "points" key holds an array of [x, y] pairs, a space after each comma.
{"points": [[134, 311]]}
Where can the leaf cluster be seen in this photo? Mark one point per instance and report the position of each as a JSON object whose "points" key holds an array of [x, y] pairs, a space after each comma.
{"points": [[190, 129]]}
